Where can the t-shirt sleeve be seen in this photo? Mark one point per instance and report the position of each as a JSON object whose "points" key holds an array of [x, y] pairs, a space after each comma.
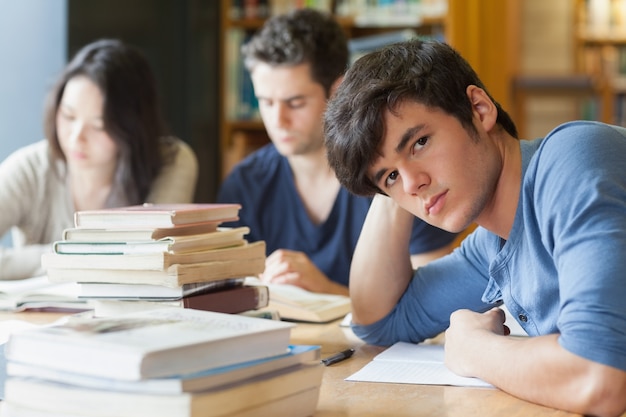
{"points": [[437, 289], [427, 238], [585, 230]]}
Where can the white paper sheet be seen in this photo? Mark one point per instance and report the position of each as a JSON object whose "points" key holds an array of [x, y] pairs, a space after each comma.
{"points": [[407, 363]]}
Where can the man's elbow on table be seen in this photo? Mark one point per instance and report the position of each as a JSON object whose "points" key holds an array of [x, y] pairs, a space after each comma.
{"points": [[605, 395]]}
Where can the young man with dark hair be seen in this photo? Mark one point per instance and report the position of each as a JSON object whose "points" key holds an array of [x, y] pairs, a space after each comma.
{"points": [[415, 126]]}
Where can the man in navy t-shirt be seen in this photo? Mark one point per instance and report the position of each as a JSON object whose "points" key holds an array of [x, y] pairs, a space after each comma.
{"points": [[290, 196]]}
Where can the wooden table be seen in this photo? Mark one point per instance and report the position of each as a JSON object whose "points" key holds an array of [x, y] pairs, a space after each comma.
{"points": [[339, 398]]}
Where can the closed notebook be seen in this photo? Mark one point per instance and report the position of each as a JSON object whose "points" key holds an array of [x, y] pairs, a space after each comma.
{"points": [[177, 384], [158, 261], [232, 301], [155, 215], [151, 344], [222, 238]]}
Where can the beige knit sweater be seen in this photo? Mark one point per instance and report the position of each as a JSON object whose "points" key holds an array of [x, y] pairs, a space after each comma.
{"points": [[36, 204]]}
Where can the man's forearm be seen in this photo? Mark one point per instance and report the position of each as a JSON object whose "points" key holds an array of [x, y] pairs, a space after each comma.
{"points": [[381, 266], [539, 370]]}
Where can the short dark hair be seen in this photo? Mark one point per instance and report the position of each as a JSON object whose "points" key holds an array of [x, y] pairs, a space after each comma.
{"points": [[301, 36], [131, 114], [424, 71]]}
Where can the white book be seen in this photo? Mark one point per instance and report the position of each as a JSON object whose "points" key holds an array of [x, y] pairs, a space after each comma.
{"points": [[151, 292], [177, 384], [150, 344], [299, 404], [238, 399], [222, 238]]}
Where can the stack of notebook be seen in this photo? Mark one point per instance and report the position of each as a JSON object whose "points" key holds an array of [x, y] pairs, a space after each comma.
{"points": [[151, 256], [165, 362]]}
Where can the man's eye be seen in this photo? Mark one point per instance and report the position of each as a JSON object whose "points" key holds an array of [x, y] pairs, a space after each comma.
{"points": [[420, 143], [391, 179], [296, 104], [67, 116]]}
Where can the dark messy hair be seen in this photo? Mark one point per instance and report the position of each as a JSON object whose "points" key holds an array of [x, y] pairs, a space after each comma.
{"points": [[298, 37], [427, 72], [131, 112]]}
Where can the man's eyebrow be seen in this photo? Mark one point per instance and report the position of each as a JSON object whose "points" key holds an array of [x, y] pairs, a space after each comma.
{"points": [[284, 100], [406, 137]]}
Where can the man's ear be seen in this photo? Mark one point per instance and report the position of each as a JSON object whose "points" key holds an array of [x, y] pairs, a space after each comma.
{"points": [[333, 88], [482, 106]]}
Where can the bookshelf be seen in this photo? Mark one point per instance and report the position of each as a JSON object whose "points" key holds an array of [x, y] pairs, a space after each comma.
{"points": [[600, 52], [465, 24]]}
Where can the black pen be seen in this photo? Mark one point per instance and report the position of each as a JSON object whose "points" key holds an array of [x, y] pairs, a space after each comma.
{"points": [[338, 357]]}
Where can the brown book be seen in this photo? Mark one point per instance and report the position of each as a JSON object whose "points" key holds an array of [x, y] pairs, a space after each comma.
{"points": [[76, 234], [173, 276], [160, 261], [222, 238], [230, 300], [155, 215]]}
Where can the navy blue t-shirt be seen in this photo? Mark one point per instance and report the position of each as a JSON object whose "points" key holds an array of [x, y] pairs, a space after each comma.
{"points": [[272, 209]]}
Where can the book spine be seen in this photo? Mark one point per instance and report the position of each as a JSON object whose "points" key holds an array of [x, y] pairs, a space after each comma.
{"points": [[231, 301]]}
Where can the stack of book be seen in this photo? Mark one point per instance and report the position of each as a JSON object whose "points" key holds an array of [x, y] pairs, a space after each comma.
{"points": [[164, 362], [152, 256]]}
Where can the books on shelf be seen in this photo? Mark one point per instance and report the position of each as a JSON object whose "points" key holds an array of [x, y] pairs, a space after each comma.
{"points": [[149, 344], [222, 238], [173, 276], [155, 215], [297, 304], [160, 261], [363, 45], [232, 300], [133, 234], [176, 384]]}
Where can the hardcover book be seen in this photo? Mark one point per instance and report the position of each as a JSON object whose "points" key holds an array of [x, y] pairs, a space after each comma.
{"points": [[151, 344], [177, 384], [160, 261], [300, 404], [75, 234], [152, 292], [232, 301], [291, 392], [155, 215], [173, 276], [222, 238]]}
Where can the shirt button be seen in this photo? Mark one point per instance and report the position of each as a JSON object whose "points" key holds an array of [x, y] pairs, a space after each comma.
{"points": [[523, 318]]}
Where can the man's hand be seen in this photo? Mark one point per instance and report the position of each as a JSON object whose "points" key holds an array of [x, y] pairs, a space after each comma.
{"points": [[295, 268], [467, 326]]}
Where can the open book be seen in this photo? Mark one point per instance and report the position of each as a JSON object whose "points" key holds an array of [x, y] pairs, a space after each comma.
{"points": [[296, 304], [38, 293], [408, 363]]}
